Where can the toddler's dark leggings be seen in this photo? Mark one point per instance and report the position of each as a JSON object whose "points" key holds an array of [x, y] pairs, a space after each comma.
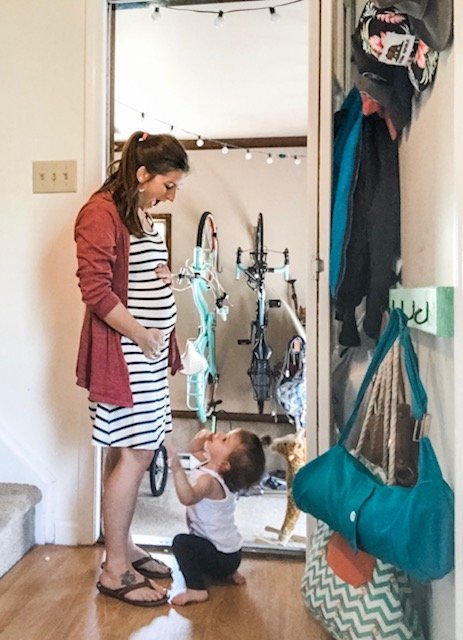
{"points": [[197, 556]]}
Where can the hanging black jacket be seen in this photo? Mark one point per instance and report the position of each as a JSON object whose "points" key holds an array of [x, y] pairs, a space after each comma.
{"points": [[373, 245]]}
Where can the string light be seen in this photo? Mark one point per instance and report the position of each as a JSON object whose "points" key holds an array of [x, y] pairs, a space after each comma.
{"points": [[225, 147], [274, 16], [218, 22]]}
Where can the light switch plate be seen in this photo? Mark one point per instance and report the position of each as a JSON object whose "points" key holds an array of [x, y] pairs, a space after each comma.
{"points": [[54, 176]]}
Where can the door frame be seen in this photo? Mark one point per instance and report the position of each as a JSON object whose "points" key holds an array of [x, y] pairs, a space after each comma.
{"points": [[95, 162]]}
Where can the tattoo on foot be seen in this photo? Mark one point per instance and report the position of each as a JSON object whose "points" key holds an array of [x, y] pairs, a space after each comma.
{"points": [[128, 578]]}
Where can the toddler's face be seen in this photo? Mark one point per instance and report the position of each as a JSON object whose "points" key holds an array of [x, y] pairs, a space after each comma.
{"points": [[222, 445]]}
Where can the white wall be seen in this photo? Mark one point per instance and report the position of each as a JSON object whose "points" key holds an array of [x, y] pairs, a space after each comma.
{"points": [[429, 222], [42, 117]]}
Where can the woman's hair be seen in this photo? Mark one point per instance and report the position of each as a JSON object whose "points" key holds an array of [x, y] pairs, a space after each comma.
{"points": [[247, 463], [159, 154]]}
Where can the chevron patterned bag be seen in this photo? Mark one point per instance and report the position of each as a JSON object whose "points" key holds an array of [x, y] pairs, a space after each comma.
{"points": [[384, 607]]}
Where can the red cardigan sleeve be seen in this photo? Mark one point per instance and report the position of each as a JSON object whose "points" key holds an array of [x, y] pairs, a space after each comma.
{"points": [[96, 238]]}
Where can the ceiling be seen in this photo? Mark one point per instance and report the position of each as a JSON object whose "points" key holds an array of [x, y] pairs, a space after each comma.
{"points": [[245, 79]]}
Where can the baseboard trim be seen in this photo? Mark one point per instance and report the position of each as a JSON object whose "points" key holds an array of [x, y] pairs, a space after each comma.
{"points": [[234, 416]]}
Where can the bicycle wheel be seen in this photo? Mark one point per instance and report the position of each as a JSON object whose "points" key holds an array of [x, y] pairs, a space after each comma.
{"points": [[206, 239], [158, 471], [260, 237]]}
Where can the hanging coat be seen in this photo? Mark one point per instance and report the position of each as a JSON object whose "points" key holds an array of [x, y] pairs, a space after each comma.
{"points": [[347, 130], [372, 248]]}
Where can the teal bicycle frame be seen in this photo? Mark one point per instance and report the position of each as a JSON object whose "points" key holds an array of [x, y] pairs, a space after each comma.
{"points": [[204, 283]]}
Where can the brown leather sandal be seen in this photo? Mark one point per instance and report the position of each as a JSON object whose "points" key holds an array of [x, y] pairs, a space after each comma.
{"points": [[120, 594], [152, 575]]}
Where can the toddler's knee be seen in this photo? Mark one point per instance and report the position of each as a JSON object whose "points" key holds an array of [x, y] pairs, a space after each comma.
{"points": [[179, 542]]}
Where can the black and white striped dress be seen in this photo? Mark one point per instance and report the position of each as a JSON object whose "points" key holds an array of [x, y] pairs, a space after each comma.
{"points": [[152, 303]]}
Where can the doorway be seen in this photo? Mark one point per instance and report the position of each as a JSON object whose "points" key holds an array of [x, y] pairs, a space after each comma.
{"points": [[270, 127]]}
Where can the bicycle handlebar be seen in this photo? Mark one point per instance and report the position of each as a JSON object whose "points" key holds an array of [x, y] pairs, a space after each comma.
{"points": [[255, 273], [192, 276], [260, 266]]}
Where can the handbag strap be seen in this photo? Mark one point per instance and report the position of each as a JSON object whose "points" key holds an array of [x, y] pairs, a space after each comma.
{"points": [[383, 400], [396, 329]]}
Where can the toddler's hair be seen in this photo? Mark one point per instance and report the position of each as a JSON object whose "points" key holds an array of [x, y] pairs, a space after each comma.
{"points": [[247, 463]]}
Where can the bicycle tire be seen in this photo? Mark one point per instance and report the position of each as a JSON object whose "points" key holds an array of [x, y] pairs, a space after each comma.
{"points": [[158, 471], [206, 240], [260, 238], [206, 237]]}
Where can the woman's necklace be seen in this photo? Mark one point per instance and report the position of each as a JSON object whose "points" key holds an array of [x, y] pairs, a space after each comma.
{"points": [[147, 223], [149, 220]]}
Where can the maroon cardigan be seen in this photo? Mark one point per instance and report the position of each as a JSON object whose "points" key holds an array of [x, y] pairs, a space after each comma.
{"points": [[103, 245]]}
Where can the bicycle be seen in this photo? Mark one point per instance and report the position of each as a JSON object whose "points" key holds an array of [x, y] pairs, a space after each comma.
{"points": [[202, 278], [260, 371], [210, 300]]}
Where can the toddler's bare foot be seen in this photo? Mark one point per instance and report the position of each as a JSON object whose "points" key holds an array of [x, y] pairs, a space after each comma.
{"points": [[238, 578], [190, 595]]}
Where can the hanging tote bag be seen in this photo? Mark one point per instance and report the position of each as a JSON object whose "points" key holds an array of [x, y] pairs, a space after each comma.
{"points": [[354, 595], [290, 388], [382, 607], [409, 527]]}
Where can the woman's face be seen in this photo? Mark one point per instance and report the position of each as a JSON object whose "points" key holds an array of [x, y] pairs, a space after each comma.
{"points": [[159, 188]]}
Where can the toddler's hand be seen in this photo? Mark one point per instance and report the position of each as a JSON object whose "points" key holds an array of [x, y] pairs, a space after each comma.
{"points": [[173, 459], [201, 438]]}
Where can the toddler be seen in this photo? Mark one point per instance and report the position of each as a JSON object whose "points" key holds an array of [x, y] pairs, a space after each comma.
{"points": [[231, 462]]}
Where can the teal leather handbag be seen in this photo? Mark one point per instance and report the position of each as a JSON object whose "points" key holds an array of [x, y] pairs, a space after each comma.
{"points": [[409, 527]]}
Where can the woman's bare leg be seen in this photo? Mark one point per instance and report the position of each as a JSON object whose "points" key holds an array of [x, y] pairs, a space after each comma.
{"points": [[119, 500]]}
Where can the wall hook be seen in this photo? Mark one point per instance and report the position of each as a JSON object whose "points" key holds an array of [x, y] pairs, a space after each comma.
{"points": [[418, 312], [431, 308]]}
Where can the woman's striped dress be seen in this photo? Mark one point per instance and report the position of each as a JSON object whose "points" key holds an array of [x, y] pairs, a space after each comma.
{"points": [[152, 303]]}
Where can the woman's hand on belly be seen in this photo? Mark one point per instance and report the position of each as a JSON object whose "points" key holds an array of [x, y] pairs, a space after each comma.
{"points": [[151, 342], [163, 273]]}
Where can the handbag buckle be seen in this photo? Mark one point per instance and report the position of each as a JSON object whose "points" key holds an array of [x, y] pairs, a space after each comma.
{"points": [[422, 427]]}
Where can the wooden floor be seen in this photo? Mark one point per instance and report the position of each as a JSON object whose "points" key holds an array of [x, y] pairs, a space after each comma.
{"points": [[50, 595]]}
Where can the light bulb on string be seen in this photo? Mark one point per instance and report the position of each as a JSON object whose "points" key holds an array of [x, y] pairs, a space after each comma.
{"points": [[248, 154], [274, 16], [200, 142], [156, 15], [269, 159], [219, 20], [225, 149], [297, 160]]}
